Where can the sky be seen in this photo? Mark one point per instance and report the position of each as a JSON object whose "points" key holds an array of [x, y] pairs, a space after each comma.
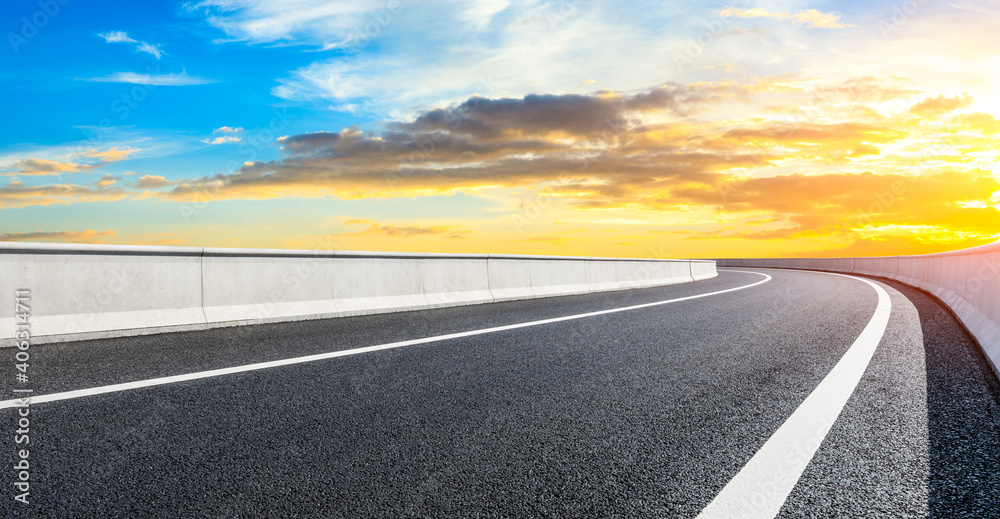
{"points": [[667, 129]]}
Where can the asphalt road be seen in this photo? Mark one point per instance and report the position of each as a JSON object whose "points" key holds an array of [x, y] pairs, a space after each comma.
{"points": [[649, 412]]}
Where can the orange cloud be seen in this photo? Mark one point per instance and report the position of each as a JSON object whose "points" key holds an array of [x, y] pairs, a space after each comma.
{"points": [[111, 155], [44, 167], [88, 236], [34, 167], [404, 231], [17, 194], [935, 106], [805, 161]]}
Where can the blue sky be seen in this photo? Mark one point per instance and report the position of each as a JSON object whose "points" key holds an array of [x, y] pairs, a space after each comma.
{"points": [[253, 122]]}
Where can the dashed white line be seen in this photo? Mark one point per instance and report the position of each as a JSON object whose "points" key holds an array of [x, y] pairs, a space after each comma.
{"points": [[760, 489], [68, 395]]}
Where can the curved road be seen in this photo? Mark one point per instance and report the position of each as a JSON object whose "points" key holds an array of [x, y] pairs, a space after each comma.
{"points": [[652, 411]]}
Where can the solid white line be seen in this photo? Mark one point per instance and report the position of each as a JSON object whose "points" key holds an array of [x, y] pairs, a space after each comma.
{"points": [[760, 489], [67, 395]]}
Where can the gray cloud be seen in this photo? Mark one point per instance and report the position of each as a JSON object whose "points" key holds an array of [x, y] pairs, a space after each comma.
{"points": [[591, 145]]}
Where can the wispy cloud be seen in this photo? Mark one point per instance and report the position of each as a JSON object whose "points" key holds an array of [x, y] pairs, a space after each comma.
{"points": [[490, 47], [324, 23], [18, 194], [405, 231], [808, 17], [222, 139], [229, 134], [114, 154], [140, 46], [181, 79], [80, 163], [479, 13], [88, 236], [33, 167]]}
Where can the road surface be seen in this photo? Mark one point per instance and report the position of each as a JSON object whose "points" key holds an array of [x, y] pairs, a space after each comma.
{"points": [[642, 403]]}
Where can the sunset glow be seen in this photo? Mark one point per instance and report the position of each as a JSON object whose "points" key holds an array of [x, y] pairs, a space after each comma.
{"points": [[648, 129]]}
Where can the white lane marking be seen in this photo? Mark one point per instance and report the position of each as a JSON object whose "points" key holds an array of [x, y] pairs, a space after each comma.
{"points": [[67, 395], [760, 489]]}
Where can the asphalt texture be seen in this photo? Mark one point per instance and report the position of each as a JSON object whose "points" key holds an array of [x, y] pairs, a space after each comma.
{"points": [[644, 413]]}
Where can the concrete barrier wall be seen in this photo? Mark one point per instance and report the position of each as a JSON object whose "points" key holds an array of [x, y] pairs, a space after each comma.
{"points": [[91, 291], [968, 281]]}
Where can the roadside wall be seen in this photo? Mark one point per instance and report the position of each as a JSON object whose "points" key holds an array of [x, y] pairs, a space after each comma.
{"points": [[91, 291], [968, 281]]}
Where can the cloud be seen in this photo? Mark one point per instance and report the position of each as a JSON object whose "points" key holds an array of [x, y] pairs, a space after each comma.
{"points": [[357, 221], [140, 46], [32, 167], [116, 37], [488, 142], [107, 181], [848, 204], [18, 194], [328, 24], [888, 245], [569, 113], [336, 24], [810, 17], [554, 240], [114, 154], [869, 89], [405, 231], [152, 182], [228, 129], [479, 13], [982, 122], [181, 79], [815, 133], [814, 18], [935, 106], [858, 169], [222, 140], [88, 236], [85, 163], [150, 49], [605, 150], [441, 53]]}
